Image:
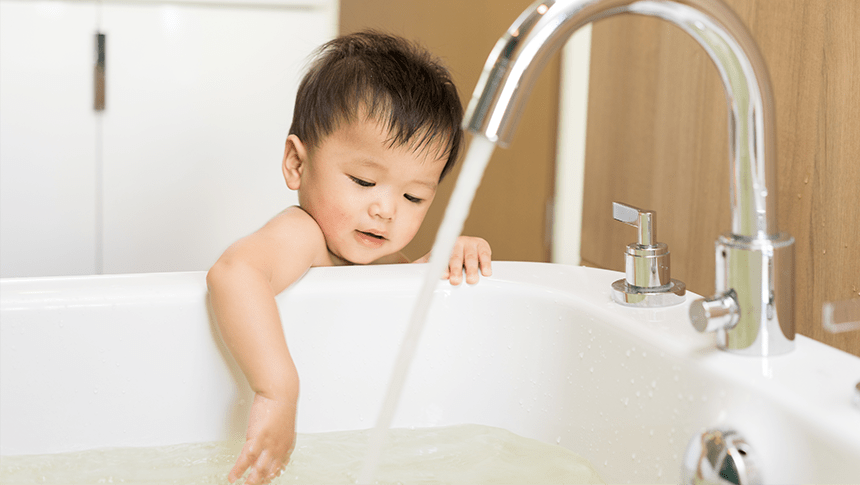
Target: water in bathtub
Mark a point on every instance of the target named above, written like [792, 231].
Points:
[457, 454]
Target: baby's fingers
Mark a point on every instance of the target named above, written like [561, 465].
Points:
[260, 472]
[246, 459]
[275, 470]
[485, 259]
[455, 266]
[470, 261]
[478, 258]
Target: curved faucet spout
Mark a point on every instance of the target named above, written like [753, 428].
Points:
[520, 55]
[755, 262]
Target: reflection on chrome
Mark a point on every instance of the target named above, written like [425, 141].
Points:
[754, 259]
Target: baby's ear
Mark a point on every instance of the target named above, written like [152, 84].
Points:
[295, 157]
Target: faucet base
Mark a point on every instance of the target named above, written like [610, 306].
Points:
[761, 272]
[667, 295]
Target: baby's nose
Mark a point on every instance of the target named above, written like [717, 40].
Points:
[383, 207]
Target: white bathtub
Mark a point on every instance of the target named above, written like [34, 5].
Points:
[539, 349]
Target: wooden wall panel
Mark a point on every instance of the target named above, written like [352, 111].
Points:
[657, 139]
[510, 207]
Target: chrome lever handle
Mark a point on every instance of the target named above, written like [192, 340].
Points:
[647, 281]
[841, 316]
[645, 221]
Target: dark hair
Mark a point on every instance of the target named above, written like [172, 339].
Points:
[388, 79]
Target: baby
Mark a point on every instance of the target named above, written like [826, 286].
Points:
[376, 127]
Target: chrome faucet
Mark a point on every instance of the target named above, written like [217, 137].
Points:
[753, 310]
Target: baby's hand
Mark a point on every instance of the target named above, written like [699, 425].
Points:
[269, 443]
[471, 253]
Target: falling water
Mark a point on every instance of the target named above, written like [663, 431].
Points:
[480, 150]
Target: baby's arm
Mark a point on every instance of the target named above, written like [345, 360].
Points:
[242, 288]
[473, 254]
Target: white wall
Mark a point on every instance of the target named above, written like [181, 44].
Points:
[186, 157]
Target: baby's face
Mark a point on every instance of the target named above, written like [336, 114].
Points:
[368, 199]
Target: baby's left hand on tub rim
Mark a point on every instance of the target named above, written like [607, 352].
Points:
[472, 254]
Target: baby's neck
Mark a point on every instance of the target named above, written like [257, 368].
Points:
[338, 261]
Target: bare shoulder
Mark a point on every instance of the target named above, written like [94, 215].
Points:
[281, 251]
[294, 233]
[293, 220]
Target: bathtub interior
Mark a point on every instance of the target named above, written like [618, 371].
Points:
[538, 349]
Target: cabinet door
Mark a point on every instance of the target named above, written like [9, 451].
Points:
[199, 103]
[47, 139]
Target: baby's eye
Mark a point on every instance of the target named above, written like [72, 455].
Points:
[363, 183]
[413, 199]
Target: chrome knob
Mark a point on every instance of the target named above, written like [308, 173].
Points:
[715, 313]
[720, 456]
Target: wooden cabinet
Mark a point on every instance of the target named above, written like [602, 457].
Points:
[657, 139]
[513, 206]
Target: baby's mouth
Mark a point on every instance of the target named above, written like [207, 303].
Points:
[376, 236]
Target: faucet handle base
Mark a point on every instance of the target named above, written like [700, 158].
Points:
[626, 294]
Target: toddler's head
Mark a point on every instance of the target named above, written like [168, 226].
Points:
[386, 79]
[376, 127]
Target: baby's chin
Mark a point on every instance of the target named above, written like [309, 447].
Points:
[354, 259]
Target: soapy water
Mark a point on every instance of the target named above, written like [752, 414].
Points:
[464, 454]
[478, 155]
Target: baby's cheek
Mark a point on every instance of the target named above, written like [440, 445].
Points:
[412, 225]
[337, 212]
[333, 225]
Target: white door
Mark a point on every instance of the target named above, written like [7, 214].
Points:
[47, 139]
[185, 158]
[199, 103]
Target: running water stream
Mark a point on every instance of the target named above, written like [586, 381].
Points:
[477, 157]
